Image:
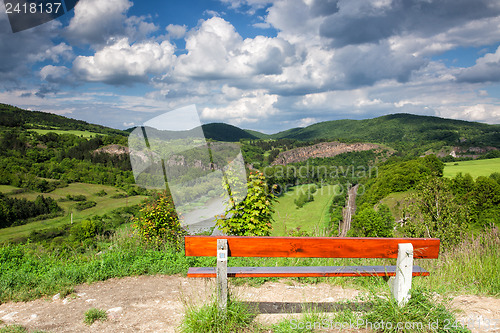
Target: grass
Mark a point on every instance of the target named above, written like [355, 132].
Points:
[310, 218]
[210, 319]
[16, 329]
[374, 311]
[470, 268]
[105, 204]
[92, 315]
[85, 134]
[475, 168]
[29, 271]
[396, 202]
[420, 314]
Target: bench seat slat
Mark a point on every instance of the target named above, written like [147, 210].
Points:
[303, 271]
[311, 247]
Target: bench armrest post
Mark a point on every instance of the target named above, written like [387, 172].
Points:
[222, 273]
[401, 283]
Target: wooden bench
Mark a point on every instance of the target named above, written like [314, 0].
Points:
[222, 247]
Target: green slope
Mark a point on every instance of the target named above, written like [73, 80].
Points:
[11, 116]
[400, 128]
[226, 132]
[475, 168]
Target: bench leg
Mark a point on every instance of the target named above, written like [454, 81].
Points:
[401, 283]
[222, 273]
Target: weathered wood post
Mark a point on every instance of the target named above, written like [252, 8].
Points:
[401, 283]
[222, 273]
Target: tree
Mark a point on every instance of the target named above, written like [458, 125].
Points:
[159, 222]
[369, 222]
[253, 215]
[433, 211]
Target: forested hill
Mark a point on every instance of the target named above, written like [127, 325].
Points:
[400, 128]
[395, 130]
[14, 117]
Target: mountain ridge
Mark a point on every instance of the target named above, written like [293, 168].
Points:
[394, 128]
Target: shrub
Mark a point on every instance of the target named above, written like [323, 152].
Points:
[79, 197]
[158, 222]
[82, 205]
[101, 193]
[87, 229]
[93, 315]
[303, 199]
[369, 222]
[253, 215]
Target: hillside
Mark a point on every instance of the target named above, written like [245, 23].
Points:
[324, 149]
[14, 117]
[404, 128]
[225, 132]
[398, 130]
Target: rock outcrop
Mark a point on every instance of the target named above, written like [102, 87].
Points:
[323, 149]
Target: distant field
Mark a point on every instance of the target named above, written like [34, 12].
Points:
[475, 168]
[310, 217]
[105, 204]
[85, 134]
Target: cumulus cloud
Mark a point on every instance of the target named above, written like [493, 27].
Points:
[122, 63]
[216, 51]
[359, 22]
[97, 21]
[56, 74]
[176, 31]
[20, 51]
[250, 108]
[486, 69]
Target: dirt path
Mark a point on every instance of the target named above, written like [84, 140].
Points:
[157, 303]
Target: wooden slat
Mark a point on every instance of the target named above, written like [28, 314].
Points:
[303, 271]
[311, 247]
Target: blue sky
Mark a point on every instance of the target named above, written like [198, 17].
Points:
[266, 65]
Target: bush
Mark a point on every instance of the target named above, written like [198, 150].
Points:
[93, 315]
[87, 229]
[158, 222]
[79, 197]
[253, 215]
[101, 193]
[369, 222]
[304, 198]
[82, 205]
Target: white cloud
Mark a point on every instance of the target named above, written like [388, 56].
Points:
[486, 69]
[55, 74]
[304, 122]
[176, 31]
[216, 51]
[252, 107]
[96, 21]
[121, 63]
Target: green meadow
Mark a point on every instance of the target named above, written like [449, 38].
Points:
[105, 204]
[312, 217]
[475, 168]
[85, 134]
